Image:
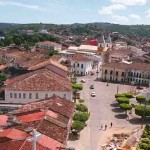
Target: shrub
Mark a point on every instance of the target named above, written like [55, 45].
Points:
[140, 99]
[139, 110]
[77, 86]
[123, 100]
[1, 113]
[81, 100]
[145, 140]
[128, 95]
[77, 126]
[143, 146]
[125, 106]
[81, 107]
[79, 116]
[119, 95]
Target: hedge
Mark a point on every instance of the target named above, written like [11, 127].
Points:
[139, 110]
[81, 116]
[123, 100]
[77, 126]
[128, 95]
[81, 100]
[140, 99]
[119, 95]
[125, 106]
[77, 86]
[81, 107]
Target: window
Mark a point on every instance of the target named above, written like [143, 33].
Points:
[11, 95]
[36, 96]
[122, 74]
[81, 65]
[19, 95]
[111, 72]
[116, 73]
[64, 95]
[24, 95]
[15, 95]
[78, 65]
[46, 95]
[54, 94]
[105, 71]
[116, 80]
[30, 95]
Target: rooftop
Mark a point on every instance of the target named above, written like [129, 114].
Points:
[124, 66]
[55, 103]
[47, 43]
[88, 47]
[80, 57]
[3, 120]
[40, 80]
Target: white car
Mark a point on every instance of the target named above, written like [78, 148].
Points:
[93, 94]
[82, 80]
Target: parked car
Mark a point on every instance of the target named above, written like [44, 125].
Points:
[93, 94]
[92, 87]
[82, 80]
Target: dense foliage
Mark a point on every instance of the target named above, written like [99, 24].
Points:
[142, 111]
[81, 107]
[81, 116]
[119, 95]
[77, 126]
[140, 99]
[77, 86]
[122, 100]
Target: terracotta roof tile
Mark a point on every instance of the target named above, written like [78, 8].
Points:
[3, 120]
[54, 103]
[124, 66]
[79, 57]
[40, 80]
[13, 134]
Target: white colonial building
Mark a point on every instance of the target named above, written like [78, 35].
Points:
[37, 85]
[81, 64]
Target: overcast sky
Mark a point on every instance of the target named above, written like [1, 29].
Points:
[75, 11]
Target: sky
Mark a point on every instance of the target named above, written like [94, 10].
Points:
[75, 11]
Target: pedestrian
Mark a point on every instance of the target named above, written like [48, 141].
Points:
[105, 127]
[107, 84]
[111, 124]
[101, 127]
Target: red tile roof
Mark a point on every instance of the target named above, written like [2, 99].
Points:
[79, 58]
[2, 67]
[49, 142]
[54, 103]
[3, 120]
[48, 62]
[40, 80]
[32, 117]
[13, 134]
[20, 145]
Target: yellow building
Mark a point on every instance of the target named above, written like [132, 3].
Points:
[126, 72]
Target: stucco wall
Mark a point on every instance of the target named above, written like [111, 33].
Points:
[41, 95]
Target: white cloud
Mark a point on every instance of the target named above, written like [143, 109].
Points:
[109, 9]
[18, 4]
[148, 14]
[130, 2]
[120, 19]
[134, 16]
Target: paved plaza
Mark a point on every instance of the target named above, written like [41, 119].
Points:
[103, 111]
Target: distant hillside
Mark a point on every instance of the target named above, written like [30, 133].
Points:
[81, 29]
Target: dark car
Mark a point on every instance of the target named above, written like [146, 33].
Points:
[92, 87]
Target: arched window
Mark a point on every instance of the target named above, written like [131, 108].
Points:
[105, 71]
[111, 72]
[122, 74]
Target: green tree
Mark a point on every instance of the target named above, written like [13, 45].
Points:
[77, 126]
[81, 107]
[1, 43]
[81, 116]
[140, 99]
[17, 41]
[126, 107]
[3, 77]
[54, 52]
[121, 100]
